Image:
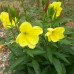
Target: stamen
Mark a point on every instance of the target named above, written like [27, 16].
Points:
[25, 33]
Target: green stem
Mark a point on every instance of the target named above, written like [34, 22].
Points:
[43, 8]
[38, 3]
[13, 34]
[17, 29]
[24, 7]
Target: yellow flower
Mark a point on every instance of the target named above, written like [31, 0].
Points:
[4, 17]
[55, 34]
[57, 9]
[14, 22]
[29, 35]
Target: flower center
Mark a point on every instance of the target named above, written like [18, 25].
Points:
[25, 33]
[52, 31]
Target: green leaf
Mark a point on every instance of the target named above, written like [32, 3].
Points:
[12, 12]
[36, 67]
[29, 14]
[72, 48]
[10, 56]
[57, 65]
[12, 60]
[30, 71]
[29, 52]
[54, 44]
[39, 23]
[6, 8]
[22, 20]
[38, 52]
[50, 12]
[16, 49]
[57, 21]
[61, 56]
[70, 69]
[18, 72]
[20, 67]
[17, 62]
[63, 69]
[2, 41]
[43, 2]
[65, 41]
[69, 31]
[67, 49]
[49, 54]
[71, 51]
[45, 70]
[6, 70]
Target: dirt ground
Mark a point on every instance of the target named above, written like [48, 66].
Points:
[69, 13]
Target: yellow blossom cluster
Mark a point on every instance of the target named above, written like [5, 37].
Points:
[4, 17]
[29, 36]
[57, 9]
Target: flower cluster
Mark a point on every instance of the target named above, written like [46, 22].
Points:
[29, 36]
[56, 8]
[4, 17]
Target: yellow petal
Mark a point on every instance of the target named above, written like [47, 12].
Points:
[59, 10]
[31, 46]
[56, 4]
[50, 29]
[8, 25]
[36, 30]
[57, 34]
[13, 22]
[32, 39]
[21, 39]
[54, 38]
[25, 27]
[47, 34]
[59, 30]
[0, 16]
[15, 19]
[49, 38]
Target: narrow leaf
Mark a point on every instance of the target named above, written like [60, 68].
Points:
[57, 65]
[49, 54]
[30, 71]
[45, 70]
[36, 66]
[38, 52]
[17, 62]
[61, 56]
[63, 69]
[29, 52]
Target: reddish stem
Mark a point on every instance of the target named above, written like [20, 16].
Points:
[46, 6]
